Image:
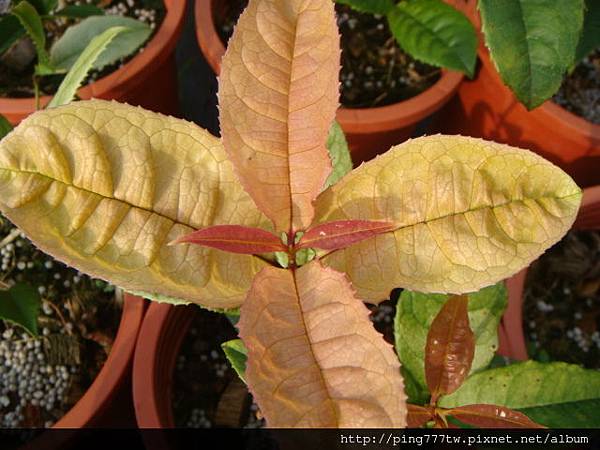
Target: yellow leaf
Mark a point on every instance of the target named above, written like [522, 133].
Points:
[314, 358]
[104, 187]
[468, 213]
[278, 94]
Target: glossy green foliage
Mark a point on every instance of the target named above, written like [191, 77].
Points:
[434, 32]
[5, 126]
[532, 43]
[237, 354]
[67, 49]
[339, 154]
[21, 305]
[590, 37]
[82, 66]
[552, 394]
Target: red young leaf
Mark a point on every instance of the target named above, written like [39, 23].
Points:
[342, 233]
[234, 239]
[450, 348]
[418, 416]
[492, 416]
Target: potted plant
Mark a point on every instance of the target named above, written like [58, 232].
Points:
[487, 107]
[371, 130]
[105, 187]
[151, 70]
[72, 369]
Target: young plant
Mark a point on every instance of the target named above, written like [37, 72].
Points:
[429, 30]
[27, 18]
[105, 187]
[533, 43]
[452, 364]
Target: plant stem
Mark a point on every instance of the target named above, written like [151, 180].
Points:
[36, 90]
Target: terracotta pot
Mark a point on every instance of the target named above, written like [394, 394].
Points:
[148, 80]
[164, 329]
[99, 406]
[512, 337]
[370, 131]
[485, 107]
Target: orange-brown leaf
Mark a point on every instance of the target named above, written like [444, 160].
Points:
[450, 348]
[278, 94]
[314, 358]
[417, 415]
[492, 416]
[234, 239]
[342, 233]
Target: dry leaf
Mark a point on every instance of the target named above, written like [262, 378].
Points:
[278, 94]
[450, 348]
[468, 213]
[314, 358]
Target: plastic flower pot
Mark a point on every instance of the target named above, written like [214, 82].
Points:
[163, 332]
[485, 107]
[102, 404]
[512, 337]
[369, 131]
[148, 80]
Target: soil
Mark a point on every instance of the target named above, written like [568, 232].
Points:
[580, 91]
[42, 377]
[206, 390]
[16, 82]
[562, 301]
[375, 70]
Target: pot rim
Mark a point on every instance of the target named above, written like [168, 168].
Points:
[354, 120]
[98, 396]
[125, 78]
[161, 335]
[548, 110]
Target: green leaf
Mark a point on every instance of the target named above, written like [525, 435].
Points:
[83, 65]
[236, 353]
[44, 6]
[32, 23]
[369, 6]
[339, 154]
[552, 394]
[79, 11]
[20, 305]
[416, 311]
[590, 37]
[532, 43]
[435, 33]
[581, 414]
[233, 315]
[67, 49]
[10, 30]
[5, 126]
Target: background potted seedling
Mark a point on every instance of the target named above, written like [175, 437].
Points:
[33, 56]
[386, 94]
[501, 104]
[447, 348]
[105, 187]
[72, 370]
